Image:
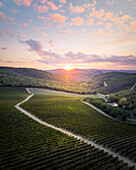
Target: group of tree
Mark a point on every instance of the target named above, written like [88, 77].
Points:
[112, 111]
[126, 100]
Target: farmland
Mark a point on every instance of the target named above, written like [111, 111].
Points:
[71, 114]
[25, 144]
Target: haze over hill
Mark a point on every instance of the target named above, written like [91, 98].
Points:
[76, 80]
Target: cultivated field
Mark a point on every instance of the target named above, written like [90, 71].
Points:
[59, 93]
[25, 144]
[71, 114]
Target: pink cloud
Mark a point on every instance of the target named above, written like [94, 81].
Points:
[1, 14]
[59, 18]
[77, 21]
[43, 1]
[1, 4]
[42, 9]
[98, 14]
[40, 17]
[94, 3]
[71, 6]
[15, 10]
[60, 27]
[22, 36]
[133, 25]
[30, 20]
[11, 20]
[78, 9]
[52, 5]
[108, 25]
[108, 16]
[4, 18]
[24, 25]
[23, 2]
[63, 1]
[51, 43]
[9, 32]
[4, 48]
[90, 21]
[67, 31]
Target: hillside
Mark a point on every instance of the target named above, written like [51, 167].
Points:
[70, 81]
[26, 77]
[116, 81]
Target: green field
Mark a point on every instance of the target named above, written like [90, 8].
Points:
[71, 114]
[59, 93]
[25, 144]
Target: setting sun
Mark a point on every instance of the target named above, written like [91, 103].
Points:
[68, 67]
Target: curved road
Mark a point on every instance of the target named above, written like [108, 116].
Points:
[17, 106]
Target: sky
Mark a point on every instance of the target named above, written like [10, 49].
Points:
[86, 34]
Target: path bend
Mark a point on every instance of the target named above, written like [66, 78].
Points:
[125, 160]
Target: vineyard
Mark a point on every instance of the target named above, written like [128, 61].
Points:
[81, 119]
[25, 144]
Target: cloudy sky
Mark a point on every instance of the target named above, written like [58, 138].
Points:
[48, 34]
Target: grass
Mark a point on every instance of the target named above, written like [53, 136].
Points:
[25, 144]
[58, 93]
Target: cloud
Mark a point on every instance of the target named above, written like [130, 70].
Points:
[1, 14]
[9, 32]
[42, 9]
[35, 46]
[22, 36]
[58, 18]
[98, 14]
[41, 17]
[78, 9]
[11, 20]
[51, 43]
[1, 4]
[24, 25]
[68, 31]
[77, 21]
[108, 25]
[43, 34]
[99, 33]
[14, 10]
[133, 25]
[52, 5]
[63, 1]
[43, 1]
[4, 48]
[90, 21]
[50, 57]
[23, 2]
[108, 16]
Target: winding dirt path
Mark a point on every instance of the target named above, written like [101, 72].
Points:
[97, 109]
[133, 86]
[125, 160]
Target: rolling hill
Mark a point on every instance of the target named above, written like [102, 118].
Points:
[75, 80]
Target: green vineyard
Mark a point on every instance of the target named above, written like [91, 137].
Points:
[25, 144]
[81, 119]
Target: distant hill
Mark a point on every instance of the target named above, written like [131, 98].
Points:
[87, 71]
[28, 77]
[116, 81]
[71, 81]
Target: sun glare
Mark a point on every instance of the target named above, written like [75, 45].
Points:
[68, 67]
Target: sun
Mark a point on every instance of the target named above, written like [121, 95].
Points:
[68, 67]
